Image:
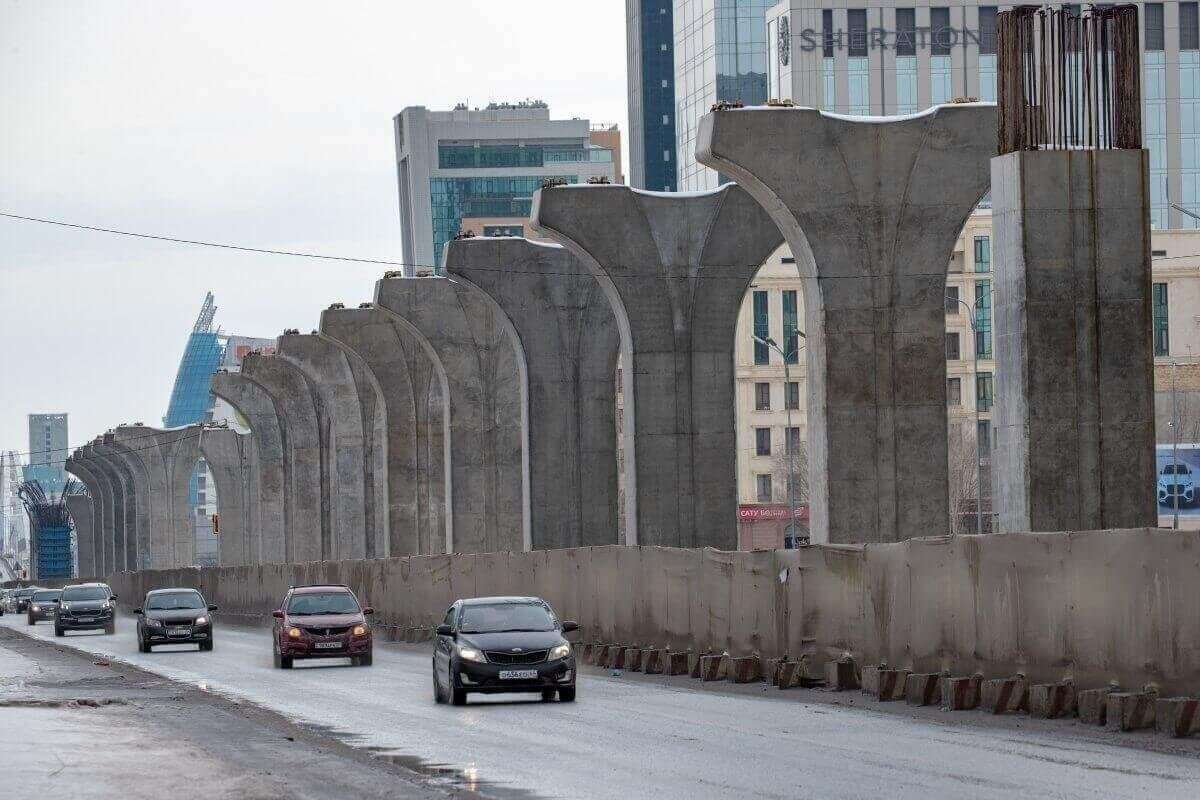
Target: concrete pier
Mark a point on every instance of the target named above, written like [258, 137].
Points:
[131, 506]
[347, 440]
[570, 340]
[170, 458]
[871, 210]
[269, 531]
[411, 381]
[675, 269]
[84, 463]
[309, 523]
[230, 458]
[487, 482]
[1075, 358]
[89, 520]
[79, 506]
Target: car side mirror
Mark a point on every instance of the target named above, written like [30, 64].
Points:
[212, 608]
[137, 611]
[569, 626]
[277, 614]
[445, 630]
[368, 610]
[58, 601]
[112, 597]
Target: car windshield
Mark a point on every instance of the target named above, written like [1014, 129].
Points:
[47, 596]
[174, 601]
[24, 592]
[1176, 469]
[84, 593]
[498, 617]
[310, 604]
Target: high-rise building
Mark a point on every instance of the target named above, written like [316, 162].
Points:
[483, 163]
[720, 55]
[650, 37]
[47, 452]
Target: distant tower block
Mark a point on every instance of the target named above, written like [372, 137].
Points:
[1075, 394]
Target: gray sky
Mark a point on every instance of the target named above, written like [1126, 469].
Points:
[259, 123]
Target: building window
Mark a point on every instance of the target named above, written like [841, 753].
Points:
[1189, 112]
[791, 395]
[906, 61]
[791, 340]
[983, 254]
[857, 64]
[764, 488]
[1162, 339]
[762, 329]
[940, 42]
[762, 441]
[987, 54]
[983, 319]
[828, 62]
[954, 391]
[952, 301]
[793, 439]
[1154, 128]
[953, 353]
[762, 397]
[983, 391]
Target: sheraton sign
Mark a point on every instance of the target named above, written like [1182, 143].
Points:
[884, 39]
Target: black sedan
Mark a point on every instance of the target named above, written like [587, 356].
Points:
[18, 599]
[86, 607]
[492, 645]
[174, 616]
[43, 604]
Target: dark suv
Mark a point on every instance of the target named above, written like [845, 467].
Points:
[174, 616]
[321, 622]
[503, 644]
[86, 607]
[43, 604]
[18, 601]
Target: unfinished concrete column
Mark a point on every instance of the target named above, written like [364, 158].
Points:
[568, 332]
[229, 456]
[487, 483]
[130, 506]
[308, 503]
[346, 404]
[270, 519]
[411, 381]
[170, 458]
[871, 210]
[86, 459]
[1075, 358]
[675, 269]
[79, 506]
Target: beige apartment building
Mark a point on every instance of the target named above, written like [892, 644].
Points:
[768, 390]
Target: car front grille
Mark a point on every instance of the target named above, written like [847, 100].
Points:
[328, 631]
[502, 657]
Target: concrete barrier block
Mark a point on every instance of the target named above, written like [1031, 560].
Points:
[770, 670]
[1130, 711]
[923, 689]
[962, 693]
[694, 664]
[654, 662]
[1093, 705]
[791, 674]
[616, 657]
[633, 659]
[602, 651]
[586, 653]
[745, 669]
[677, 664]
[1051, 700]
[1177, 716]
[1003, 695]
[714, 667]
[841, 675]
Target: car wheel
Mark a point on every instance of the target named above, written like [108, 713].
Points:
[458, 697]
[547, 695]
[58, 631]
[275, 659]
[110, 629]
[366, 661]
[206, 646]
[438, 697]
[567, 695]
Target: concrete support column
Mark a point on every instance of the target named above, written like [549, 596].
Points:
[79, 506]
[128, 505]
[871, 211]
[342, 390]
[1075, 357]
[310, 523]
[170, 458]
[487, 482]
[568, 333]
[269, 531]
[229, 455]
[411, 381]
[86, 458]
[675, 269]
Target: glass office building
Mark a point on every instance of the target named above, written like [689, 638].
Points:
[47, 452]
[651, 73]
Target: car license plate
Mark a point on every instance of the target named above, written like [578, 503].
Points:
[178, 631]
[518, 674]
[328, 645]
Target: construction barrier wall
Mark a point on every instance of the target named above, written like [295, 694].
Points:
[1096, 606]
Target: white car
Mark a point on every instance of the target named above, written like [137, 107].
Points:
[1176, 479]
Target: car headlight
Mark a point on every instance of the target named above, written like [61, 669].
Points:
[153, 623]
[470, 654]
[561, 651]
[107, 604]
[37, 608]
[360, 630]
[64, 607]
[294, 633]
[201, 620]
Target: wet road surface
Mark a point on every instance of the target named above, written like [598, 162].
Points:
[652, 736]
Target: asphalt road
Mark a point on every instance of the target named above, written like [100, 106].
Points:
[640, 736]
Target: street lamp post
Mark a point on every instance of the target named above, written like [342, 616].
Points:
[978, 449]
[787, 434]
[1175, 446]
